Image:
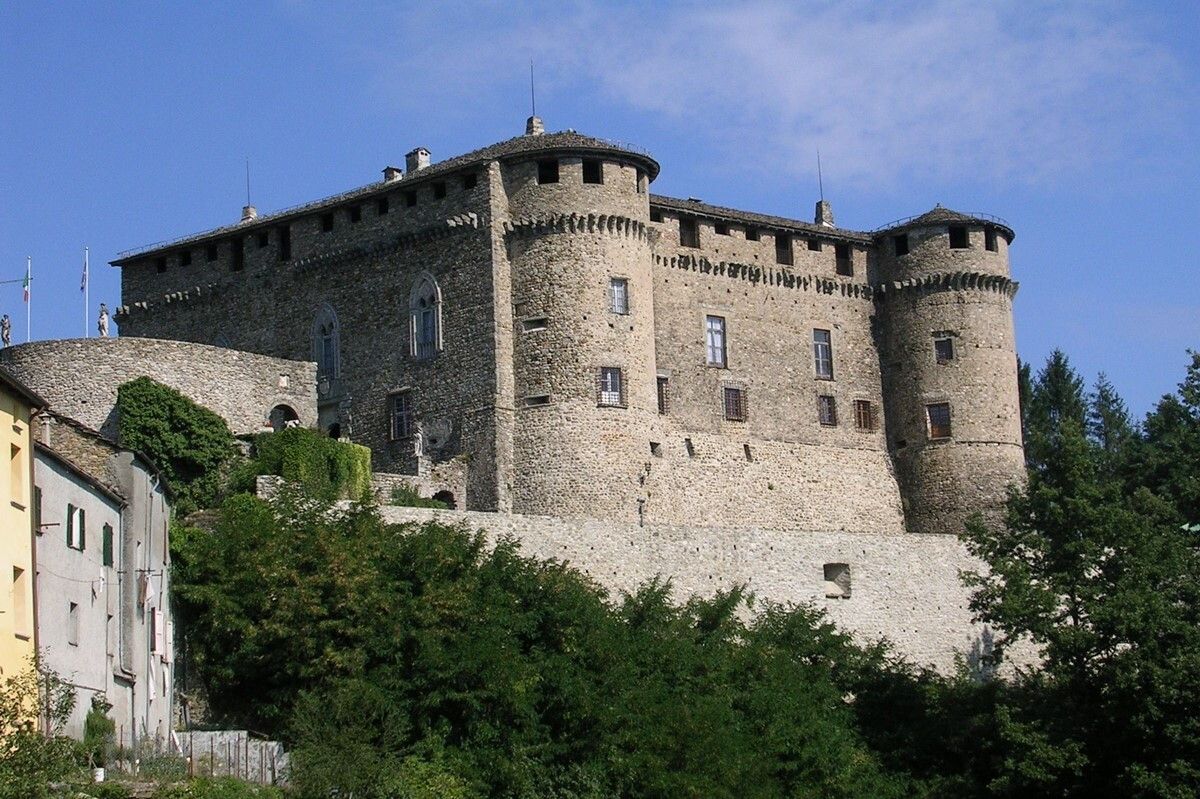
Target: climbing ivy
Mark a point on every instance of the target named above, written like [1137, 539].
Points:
[325, 469]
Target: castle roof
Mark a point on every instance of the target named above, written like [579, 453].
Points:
[566, 142]
[940, 215]
[757, 220]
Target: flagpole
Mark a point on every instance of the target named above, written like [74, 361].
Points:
[28, 297]
[86, 331]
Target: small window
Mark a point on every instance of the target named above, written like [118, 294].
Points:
[958, 238]
[107, 545]
[656, 449]
[263, 239]
[210, 253]
[239, 254]
[837, 580]
[735, 404]
[160, 265]
[22, 622]
[400, 413]
[73, 624]
[470, 181]
[593, 171]
[355, 212]
[989, 239]
[939, 419]
[76, 528]
[537, 400]
[689, 233]
[900, 242]
[410, 198]
[326, 223]
[664, 394]
[532, 325]
[721, 229]
[610, 388]
[641, 184]
[16, 470]
[814, 245]
[943, 349]
[618, 295]
[844, 262]
[439, 190]
[185, 258]
[864, 415]
[752, 234]
[714, 334]
[823, 354]
[656, 215]
[382, 206]
[689, 447]
[285, 242]
[783, 248]
[827, 410]
[37, 509]
[547, 170]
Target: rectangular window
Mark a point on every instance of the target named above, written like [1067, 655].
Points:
[537, 400]
[534, 324]
[400, 412]
[593, 171]
[76, 528]
[943, 349]
[439, 190]
[263, 239]
[689, 232]
[664, 394]
[939, 419]
[185, 258]
[783, 248]
[958, 238]
[837, 580]
[823, 354]
[382, 206]
[157, 632]
[470, 181]
[864, 415]
[285, 242]
[426, 333]
[814, 245]
[16, 472]
[618, 295]
[735, 404]
[656, 215]
[714, 333]
[752, 234]
[326, 223]
[844, 260]
[989, 239]
[108, 545]
[160, 265]
[355, 212]
[610, 387]
[22, 618]
[239, 254]
[37, 509]
[827, 410]
[410, 198]
[72, 624]
[641, 183]
[210, 253]
[721, 229]
[900, 242]
[547, 170]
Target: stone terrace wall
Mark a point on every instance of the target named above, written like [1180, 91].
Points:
[80, 377]
[903, 586]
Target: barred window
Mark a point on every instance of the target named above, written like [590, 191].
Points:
[400, 413]
[610, 388]
[827, 410]
[714, 332]
[823, 354]
[735, 404]
[664, 397]
[939, 419]
[864, 415]
[943, 349]
[618, 295]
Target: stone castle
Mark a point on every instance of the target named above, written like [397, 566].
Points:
[529, 325]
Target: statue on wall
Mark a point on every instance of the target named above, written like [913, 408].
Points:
[5, 330]
[102, 322]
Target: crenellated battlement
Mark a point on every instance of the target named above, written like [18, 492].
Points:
[579, 223]
[951, 281]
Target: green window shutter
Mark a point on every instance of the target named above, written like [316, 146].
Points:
[108, 545]
[70, 525]
[82, 531]
[37, 509]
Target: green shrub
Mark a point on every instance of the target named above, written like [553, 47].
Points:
[189, 444]
[325, 469]
[221, 788]
[409, 497]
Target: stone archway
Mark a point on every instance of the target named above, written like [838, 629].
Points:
[283, 415]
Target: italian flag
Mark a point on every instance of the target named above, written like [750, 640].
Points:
[25, 284]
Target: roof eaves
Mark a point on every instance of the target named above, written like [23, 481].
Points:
[109, 491]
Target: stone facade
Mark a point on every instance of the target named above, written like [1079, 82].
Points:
[80, 378]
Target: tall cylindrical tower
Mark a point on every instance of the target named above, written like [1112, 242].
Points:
[578, 249]
[948, 360]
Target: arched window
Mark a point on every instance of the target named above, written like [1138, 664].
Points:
[325, 344]
[425, 317]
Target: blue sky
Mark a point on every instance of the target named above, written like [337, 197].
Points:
[125, 124]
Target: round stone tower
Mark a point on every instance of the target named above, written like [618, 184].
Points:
[949, 366]
[578, 249]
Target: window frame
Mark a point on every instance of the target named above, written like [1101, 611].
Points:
[326, 343]
[827, 410]
[864, 415]
[735, 403]
[618, 298]
[940, 343]
[710, 348]
[548, 171]
[689, 232]
[400, 408]
[610, 387]
[425, 318]
[662, 389]
[822, 353]
[76, 528]
[935, 430]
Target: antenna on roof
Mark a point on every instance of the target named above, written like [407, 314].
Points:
[532, 94]
[820, 180]
[247, 180]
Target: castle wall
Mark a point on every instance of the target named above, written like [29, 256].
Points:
[80, 378]
[903, 587]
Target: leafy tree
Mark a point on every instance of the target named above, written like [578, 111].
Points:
[31, 759]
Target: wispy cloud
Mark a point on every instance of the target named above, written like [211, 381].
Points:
[1008, 90]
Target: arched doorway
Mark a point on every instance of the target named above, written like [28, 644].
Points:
[446, 497]
[283, 416]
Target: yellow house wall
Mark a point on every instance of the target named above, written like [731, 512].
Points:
[16, 547]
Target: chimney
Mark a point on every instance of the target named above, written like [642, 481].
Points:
[249, 213]
[392, 174]
[534, 126]
[417, 159]
[824, 214]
